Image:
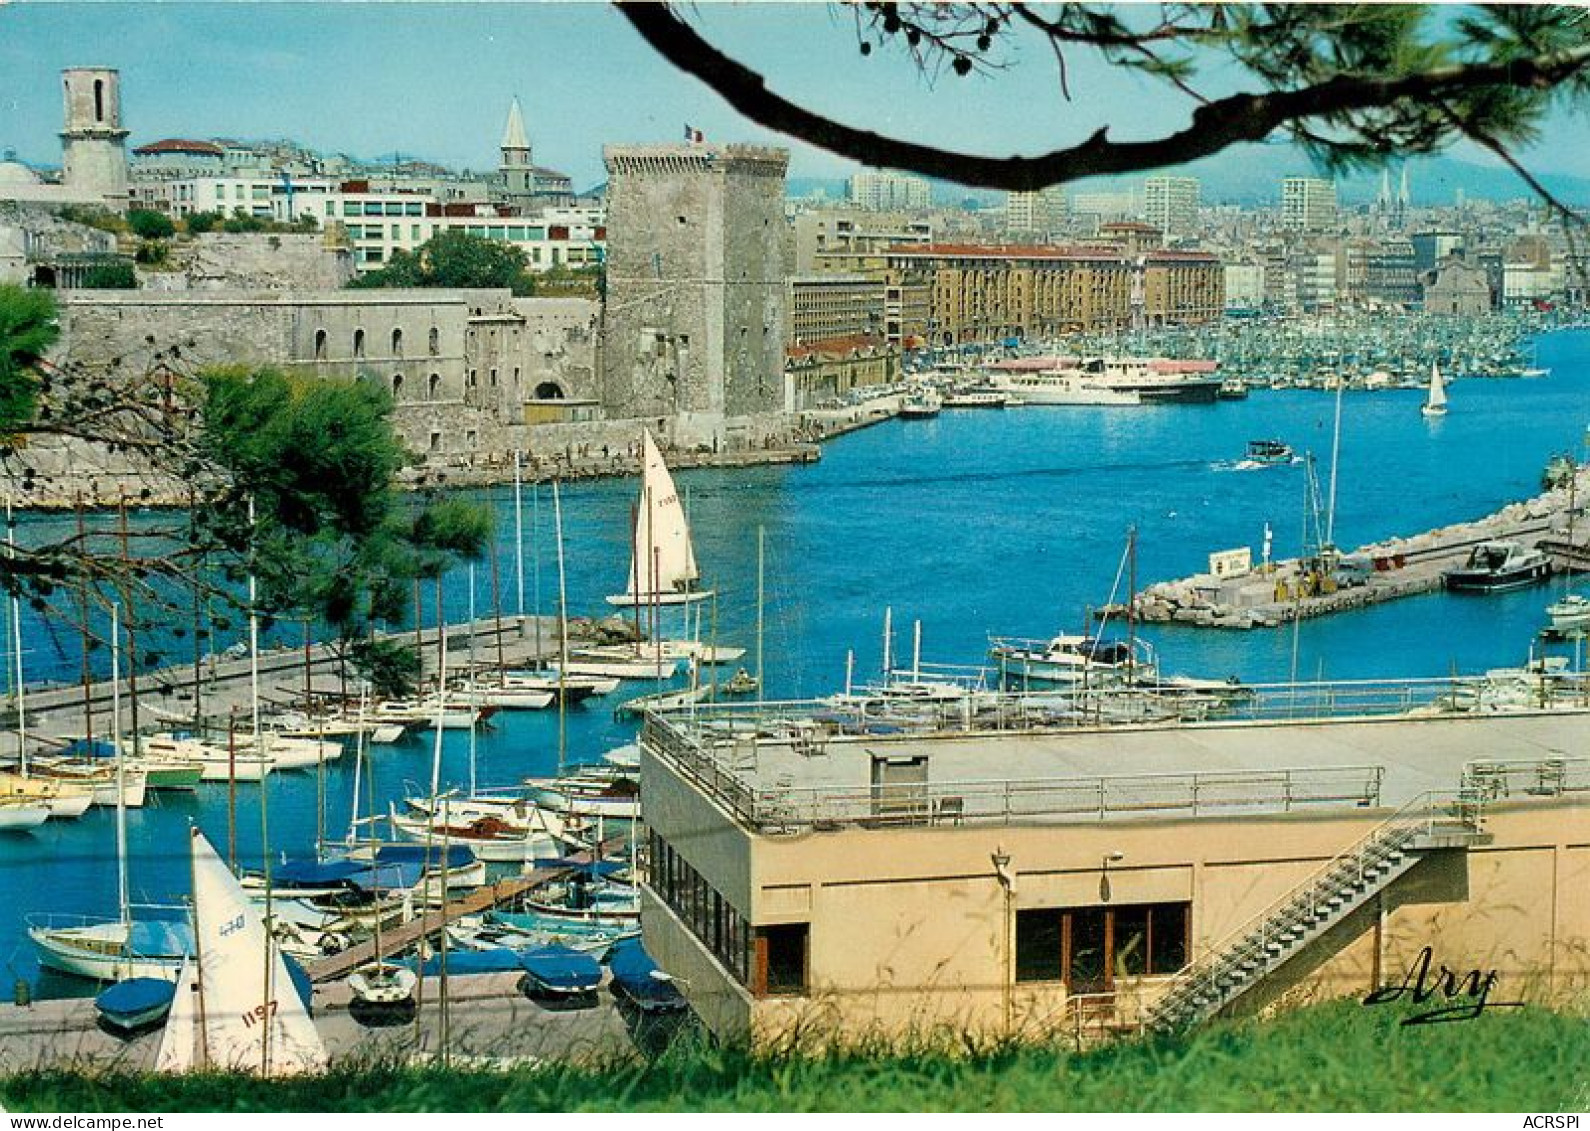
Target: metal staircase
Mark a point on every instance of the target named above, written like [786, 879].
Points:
[1264, 943]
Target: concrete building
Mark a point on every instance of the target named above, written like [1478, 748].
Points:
[990, 293]
[695, 320]
[1308, 204]
[835, 306]
[890, 192]
[1244, 286]
[1054, 877]
[1431, 247]
[1038, 215]
[848, 241]
[1457, 287]
[821, 372]
[1171, 204]
[177, 157]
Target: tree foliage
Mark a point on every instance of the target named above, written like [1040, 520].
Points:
[150, 225]
[455, 259]
[28, 328]
[1354, 84]
[109, 275]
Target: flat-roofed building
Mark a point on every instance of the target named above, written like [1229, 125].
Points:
[995, 868]
[988, 293]
[886, 192]
[1308, 204]
[1171, 204]
[835, 306]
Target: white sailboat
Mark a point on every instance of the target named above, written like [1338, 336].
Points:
[236, 1007]
[662, 565]
[1436, 405]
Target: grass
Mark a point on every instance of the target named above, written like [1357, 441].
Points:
[1334, 1057]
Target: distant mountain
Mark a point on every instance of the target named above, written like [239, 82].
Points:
[1251, 175]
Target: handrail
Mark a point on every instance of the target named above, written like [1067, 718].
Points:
[1303, 900]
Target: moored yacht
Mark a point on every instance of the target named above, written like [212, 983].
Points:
[1496, 566]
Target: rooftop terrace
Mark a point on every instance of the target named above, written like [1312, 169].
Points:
[908, 757]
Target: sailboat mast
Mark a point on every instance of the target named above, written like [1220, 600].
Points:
[563, 635]
[472, 678]
[16, 647]
[1336, 443]
[82, 616]
[518, 530]
[121, 769]
[761, 596]
[441, 707]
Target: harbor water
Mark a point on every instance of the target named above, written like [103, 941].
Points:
[1010, 522]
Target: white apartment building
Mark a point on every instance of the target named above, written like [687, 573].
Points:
[1040, 213]
[1171, 204]
[886, 192]
[1308, 204]
[1244, 284]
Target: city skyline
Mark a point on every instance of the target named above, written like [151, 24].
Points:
[182, 65]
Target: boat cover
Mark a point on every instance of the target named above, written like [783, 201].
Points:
[315, 873]
[388, 877]
[561, 969]
[83, 748]
[599, 869]
[637, 975]
[160, 938]
[458, 855]
[135, 996]
[498, 960]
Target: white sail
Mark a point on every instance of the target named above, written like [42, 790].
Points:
[177, 1039]
[1437, 401]
[253, 1020]
[662, 564]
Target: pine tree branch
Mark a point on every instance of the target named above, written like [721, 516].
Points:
[1215, 125]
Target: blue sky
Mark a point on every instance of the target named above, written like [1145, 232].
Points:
[434, 81]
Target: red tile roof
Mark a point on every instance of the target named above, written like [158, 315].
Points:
[180, 145]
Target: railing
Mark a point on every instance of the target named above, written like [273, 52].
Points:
[790, 809]
[1255, 942]
[716, 744]
[1529, 777]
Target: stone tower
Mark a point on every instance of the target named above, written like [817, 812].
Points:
[93, 144]
[694, 321]
[518, 173]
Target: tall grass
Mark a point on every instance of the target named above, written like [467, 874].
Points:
[1334, 1057]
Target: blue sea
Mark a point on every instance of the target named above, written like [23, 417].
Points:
[976, 522]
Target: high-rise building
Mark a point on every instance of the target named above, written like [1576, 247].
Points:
[1308, 204]
[886, 192]
[1041, 213]
[695, 316]
[1171, 204]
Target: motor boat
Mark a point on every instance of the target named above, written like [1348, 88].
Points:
[921, 404]
[1571, 614]
[1072, 661]
[1497, 566]
[1267, 453]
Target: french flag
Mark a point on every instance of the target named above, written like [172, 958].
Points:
[693, 135]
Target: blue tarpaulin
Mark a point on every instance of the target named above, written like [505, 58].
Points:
[499, 960]
[561, 970]
[457, 856]
[315, 873]
[638, 977]
[137, 1001]
[83, 748]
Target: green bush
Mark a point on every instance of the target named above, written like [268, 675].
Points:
[201, 222]
[112, 275]
[151, 225]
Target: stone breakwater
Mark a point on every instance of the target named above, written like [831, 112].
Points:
[1379, 571]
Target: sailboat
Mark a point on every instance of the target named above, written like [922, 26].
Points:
[662, 565]
[237, 1008]
[1436, 405]
[112, 949]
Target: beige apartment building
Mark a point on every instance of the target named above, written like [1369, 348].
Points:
[986, 293]
[989, 867]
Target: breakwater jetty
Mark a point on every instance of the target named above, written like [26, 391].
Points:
[1298, 589]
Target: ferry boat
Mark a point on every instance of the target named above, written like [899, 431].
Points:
[978, 397]
[1107, 381]
[1495, 566]
[920, 404]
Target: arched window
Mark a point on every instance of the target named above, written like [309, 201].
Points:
[358, 343]
[397, 385]
[320, 345]
[436, 341]
[435, 385]
[397, 342]
[99, 100]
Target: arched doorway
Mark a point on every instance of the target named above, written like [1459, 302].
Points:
[549, 391]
